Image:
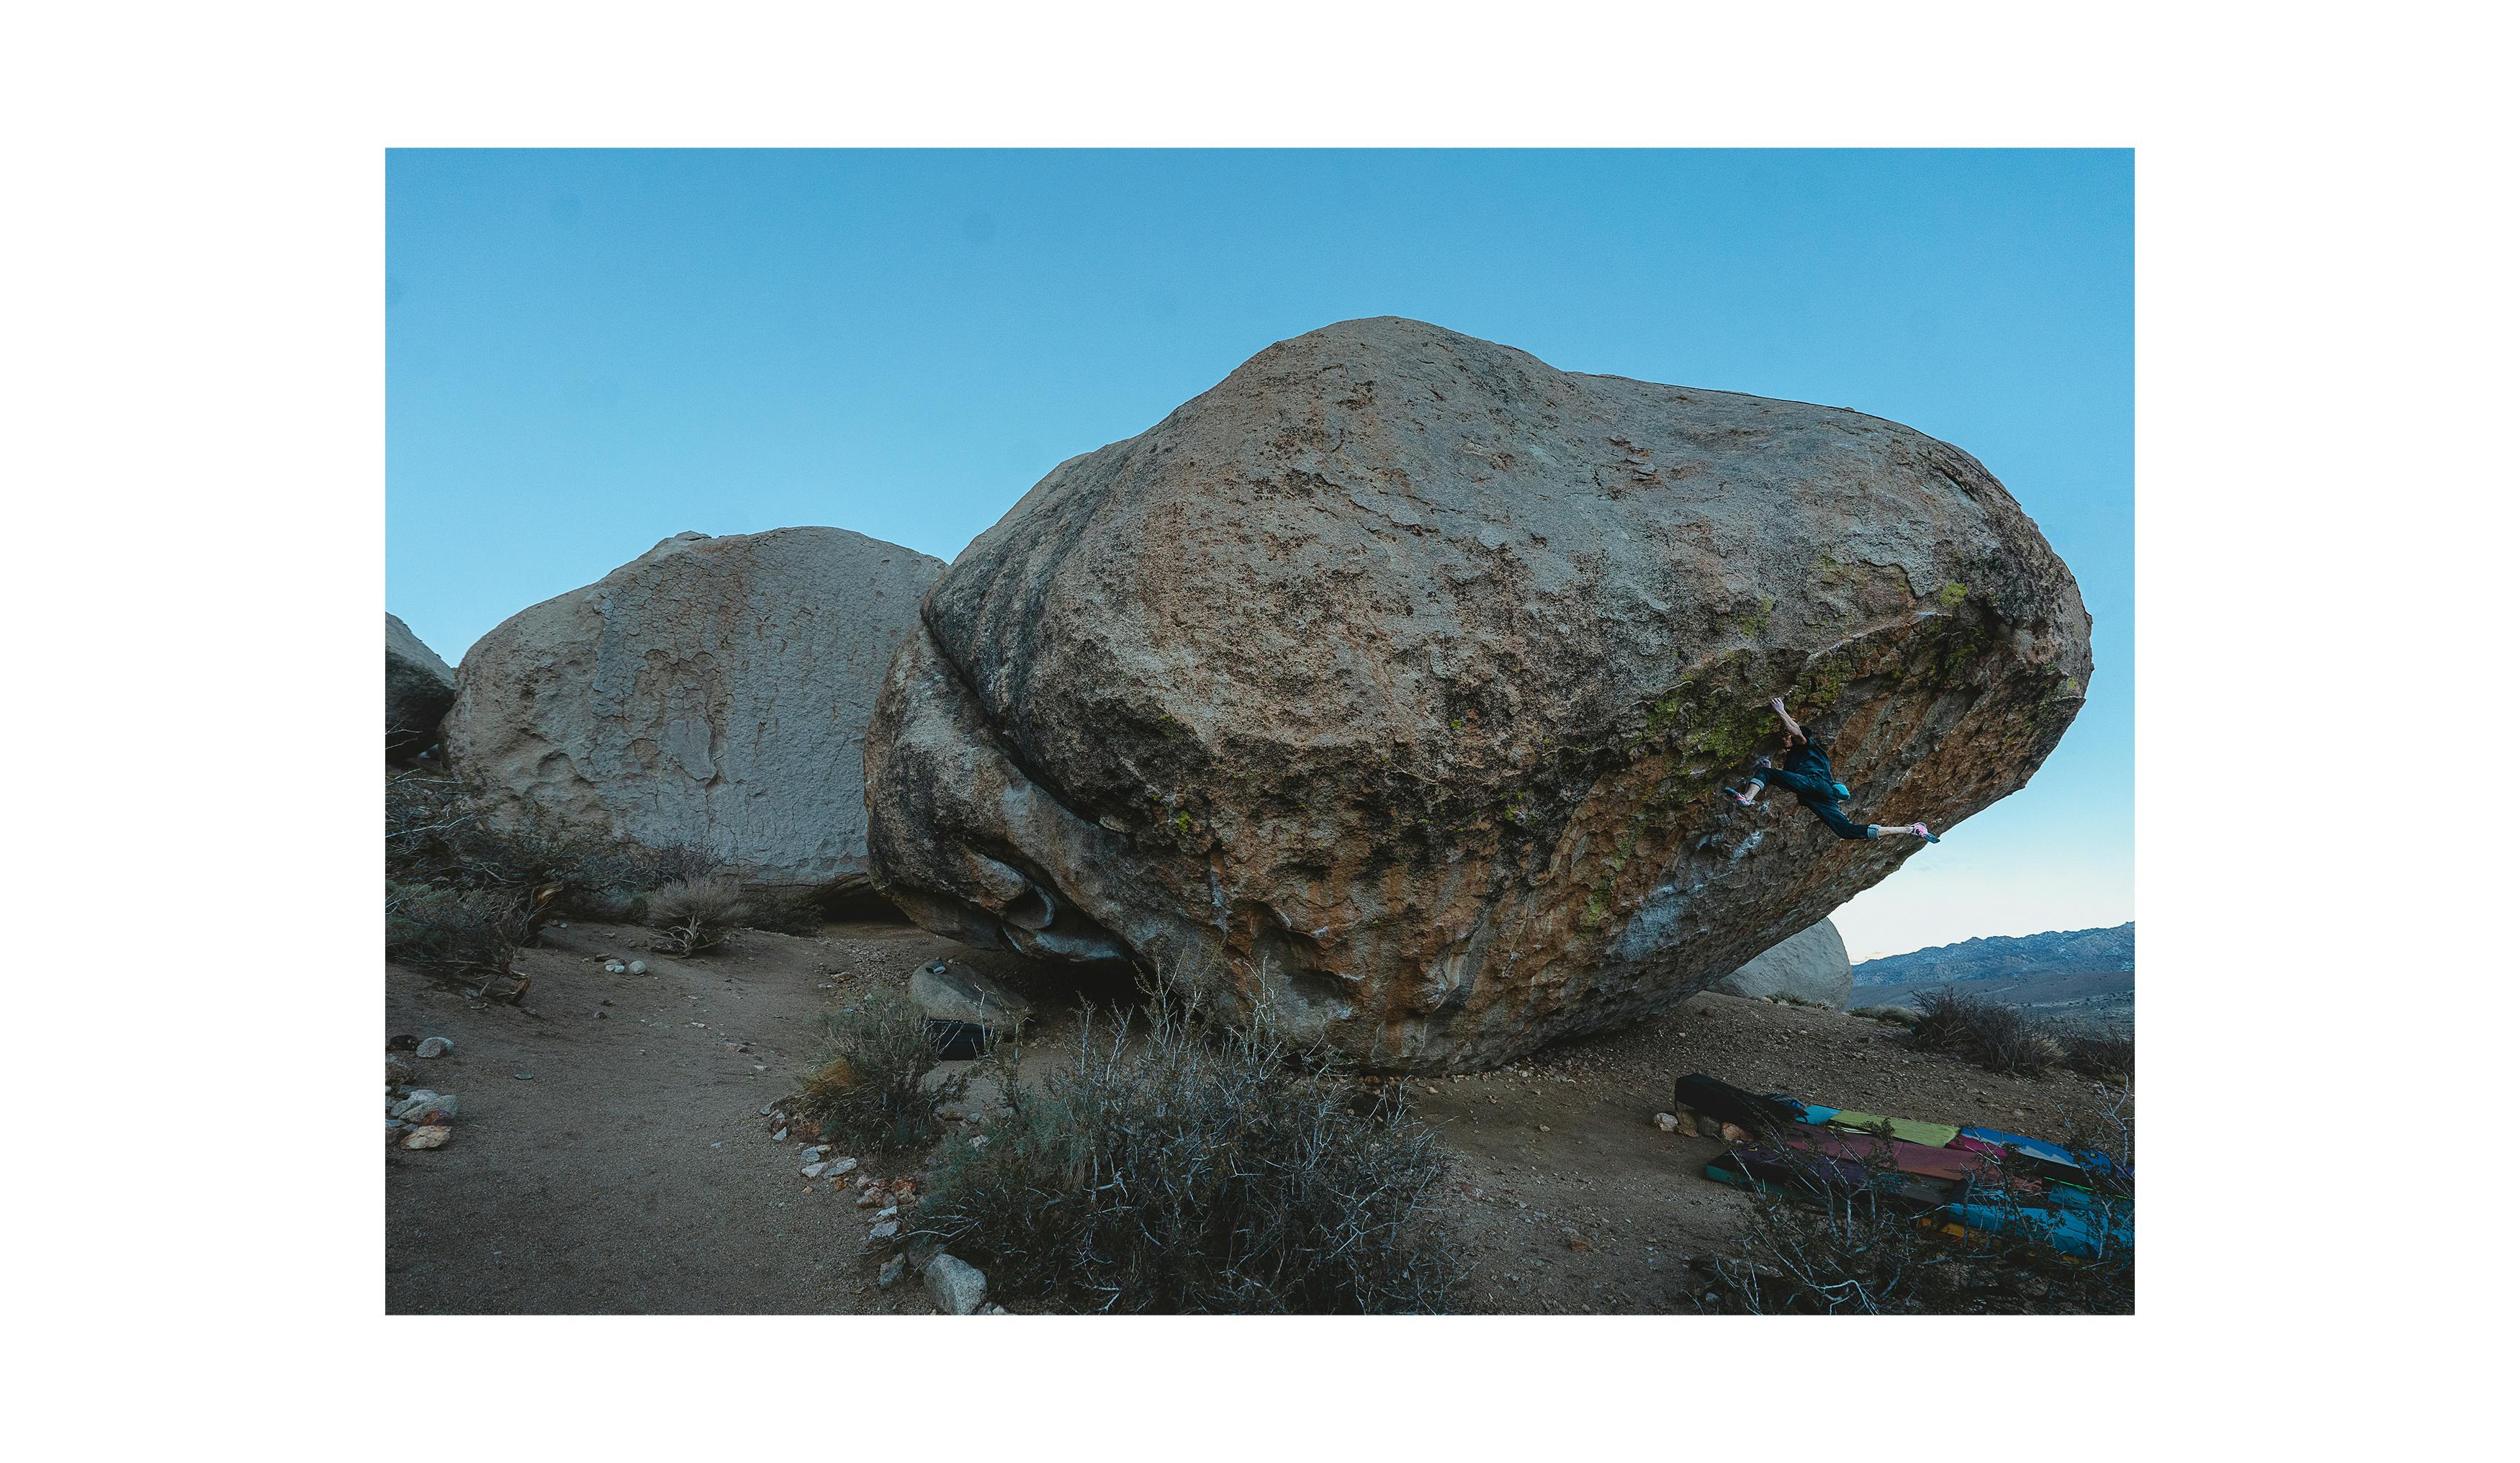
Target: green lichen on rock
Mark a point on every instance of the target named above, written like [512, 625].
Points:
[1952, 595]
[1735, 733]
[1825, 679]
[1755, 620]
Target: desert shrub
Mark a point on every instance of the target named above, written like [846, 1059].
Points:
[435, 836]
[696, 915]
[1893, 1013]
[656, 867]
[456, 932]
[872, 1091]
[1168, 1171]
[789, 912]
[1988, 1032]
[2104, 1053]
[1825, 1245]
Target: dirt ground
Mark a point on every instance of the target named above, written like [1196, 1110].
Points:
[611, 1155]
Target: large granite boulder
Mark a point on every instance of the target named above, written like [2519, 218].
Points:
[419, 687]
[1811, 967]
[1391, 683]
[713, 691]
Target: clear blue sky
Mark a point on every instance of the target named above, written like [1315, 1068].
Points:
[587, 352]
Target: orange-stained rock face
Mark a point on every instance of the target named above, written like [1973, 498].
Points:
[1394, 680]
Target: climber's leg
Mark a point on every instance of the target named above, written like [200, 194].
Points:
[1839, 822]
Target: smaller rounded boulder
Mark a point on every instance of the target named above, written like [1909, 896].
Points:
[1811, 967]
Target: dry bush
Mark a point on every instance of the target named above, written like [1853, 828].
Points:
[1168, 1171]
[696, 915]
[2000, 1038]
[786, 913]
[456, 932]
[2107, 1054]
[872, 1093]
[1988, 1032]
[1894, 1013]
[435, 836]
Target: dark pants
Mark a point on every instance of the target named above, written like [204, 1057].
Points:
[1816, 794]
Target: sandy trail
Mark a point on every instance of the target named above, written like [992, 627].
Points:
[632, 1172]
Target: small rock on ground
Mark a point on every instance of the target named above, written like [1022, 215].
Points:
[434, 1047]
[957, 1288]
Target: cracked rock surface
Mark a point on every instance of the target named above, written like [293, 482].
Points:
[1392, 681]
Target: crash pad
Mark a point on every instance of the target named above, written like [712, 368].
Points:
[1726, 1103]
[1905, 1130]
[2069, 1160]
[2086, 1233]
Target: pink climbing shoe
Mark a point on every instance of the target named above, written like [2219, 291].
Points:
[1922, 831]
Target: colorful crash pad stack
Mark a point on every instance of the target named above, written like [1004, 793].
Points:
[1969, 1180]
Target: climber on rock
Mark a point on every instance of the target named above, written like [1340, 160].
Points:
[1806, 774]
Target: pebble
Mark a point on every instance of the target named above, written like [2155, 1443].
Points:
[522, 1076]
[613, 967]
[890, 1275]
[428, 1137]
[839, 1166]
[811, 1171]
[422, 1103]
[889, 1211]
[1667, 1121]
[779, 1137]
[434, 1047]
[810, 1155]
[638, 967]
[994, 1308]
[886, 1231]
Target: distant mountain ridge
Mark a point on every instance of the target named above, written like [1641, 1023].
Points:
[2006, 958]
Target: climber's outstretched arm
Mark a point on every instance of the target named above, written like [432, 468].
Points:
[1793, 728]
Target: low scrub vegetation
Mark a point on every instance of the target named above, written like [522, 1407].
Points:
[696, 915]
[461, 896]
[457, 933]
[1174, 1167]
[1989, 1033]
[2001, 1039]
[2107, 1054]
[872, 1091]
[435, 836]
